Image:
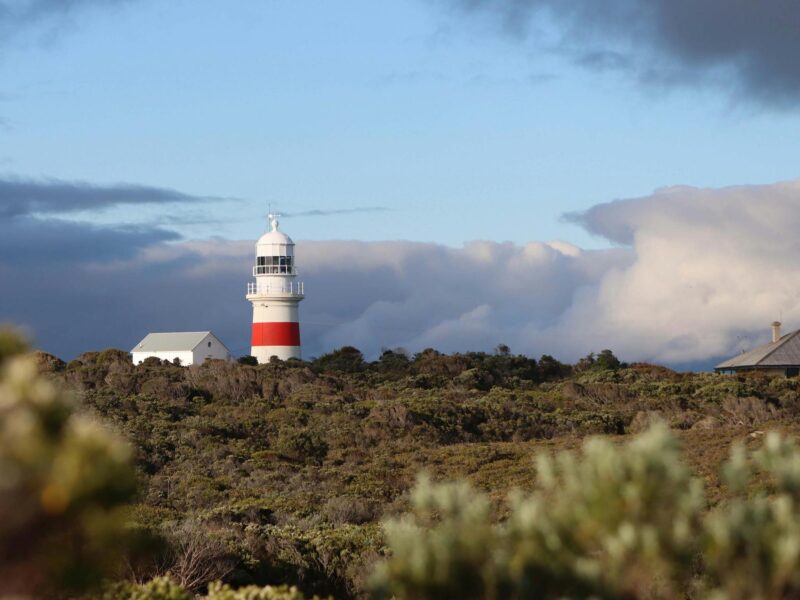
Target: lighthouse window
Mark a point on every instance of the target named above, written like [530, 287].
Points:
[273, 264]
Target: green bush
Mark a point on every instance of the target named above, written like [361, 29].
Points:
[343, 360]
[63, 479]
[753, 545]
[608, 522]
[605, 523]
[218, 591]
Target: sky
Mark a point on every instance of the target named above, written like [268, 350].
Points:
[457, 173]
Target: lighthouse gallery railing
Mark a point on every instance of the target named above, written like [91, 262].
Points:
[292, 287]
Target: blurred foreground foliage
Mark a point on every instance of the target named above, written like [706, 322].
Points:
[303, 474]
[63, 480]
[607, 522]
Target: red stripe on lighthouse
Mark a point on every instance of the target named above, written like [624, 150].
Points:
[276, 334]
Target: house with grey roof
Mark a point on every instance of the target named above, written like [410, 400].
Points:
[781, 356]
[190, 347]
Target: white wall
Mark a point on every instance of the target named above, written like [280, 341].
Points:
[210, 347]
[276, 310]
[185, 355]
[264, 353]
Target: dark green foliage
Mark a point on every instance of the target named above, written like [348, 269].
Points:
[302, 445]
[247, 360]
[605, 361]
[393, 362]
[343, 360]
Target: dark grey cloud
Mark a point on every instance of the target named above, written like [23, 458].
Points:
[748, 48]
[53, 196]
[53, 243]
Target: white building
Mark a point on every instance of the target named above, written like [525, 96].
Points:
[191, 347]
[275, 296]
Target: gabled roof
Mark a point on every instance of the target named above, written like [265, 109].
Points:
[783, 353]
[176, 341]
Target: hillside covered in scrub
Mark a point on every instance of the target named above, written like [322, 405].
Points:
[284, 473]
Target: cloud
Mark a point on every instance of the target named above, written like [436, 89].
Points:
[20, 196]
[43, 244]
[746, 48]
[336, 211]
[367, 294]
[16, 15]
[698, 274]
[712, 268]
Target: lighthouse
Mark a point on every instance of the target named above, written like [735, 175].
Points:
[275, 295]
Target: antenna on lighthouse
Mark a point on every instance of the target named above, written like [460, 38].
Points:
[273, 220]
[273, 217]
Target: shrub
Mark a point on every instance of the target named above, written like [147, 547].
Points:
[609, 522]
[164, 588]
[605, 523]
[218, 591]
[343, 360]
[160, 588]
[606, 361]
[302, 444]
[393, 362]
[753, 541]
[64, 478]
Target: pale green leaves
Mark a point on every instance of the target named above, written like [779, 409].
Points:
[610, 521]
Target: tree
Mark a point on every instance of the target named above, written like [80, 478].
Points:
[247, 360]
[606, 361]
[394, 362]
[343, 360]
[551, 369]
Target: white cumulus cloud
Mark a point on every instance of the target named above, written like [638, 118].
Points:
[694, 274]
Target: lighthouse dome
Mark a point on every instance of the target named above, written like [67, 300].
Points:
[275, 237]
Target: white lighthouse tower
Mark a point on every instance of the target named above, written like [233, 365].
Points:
[275, 296]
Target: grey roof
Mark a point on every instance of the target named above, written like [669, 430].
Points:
[783, 353]
[166, 342]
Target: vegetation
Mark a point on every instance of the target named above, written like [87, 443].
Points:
[63, 480]
[270, 479]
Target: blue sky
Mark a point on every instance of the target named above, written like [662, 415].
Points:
[141, 142]
[459, 131]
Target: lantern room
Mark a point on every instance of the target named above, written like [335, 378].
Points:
[274, 253]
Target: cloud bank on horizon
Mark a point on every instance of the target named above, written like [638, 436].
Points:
[697, 274]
